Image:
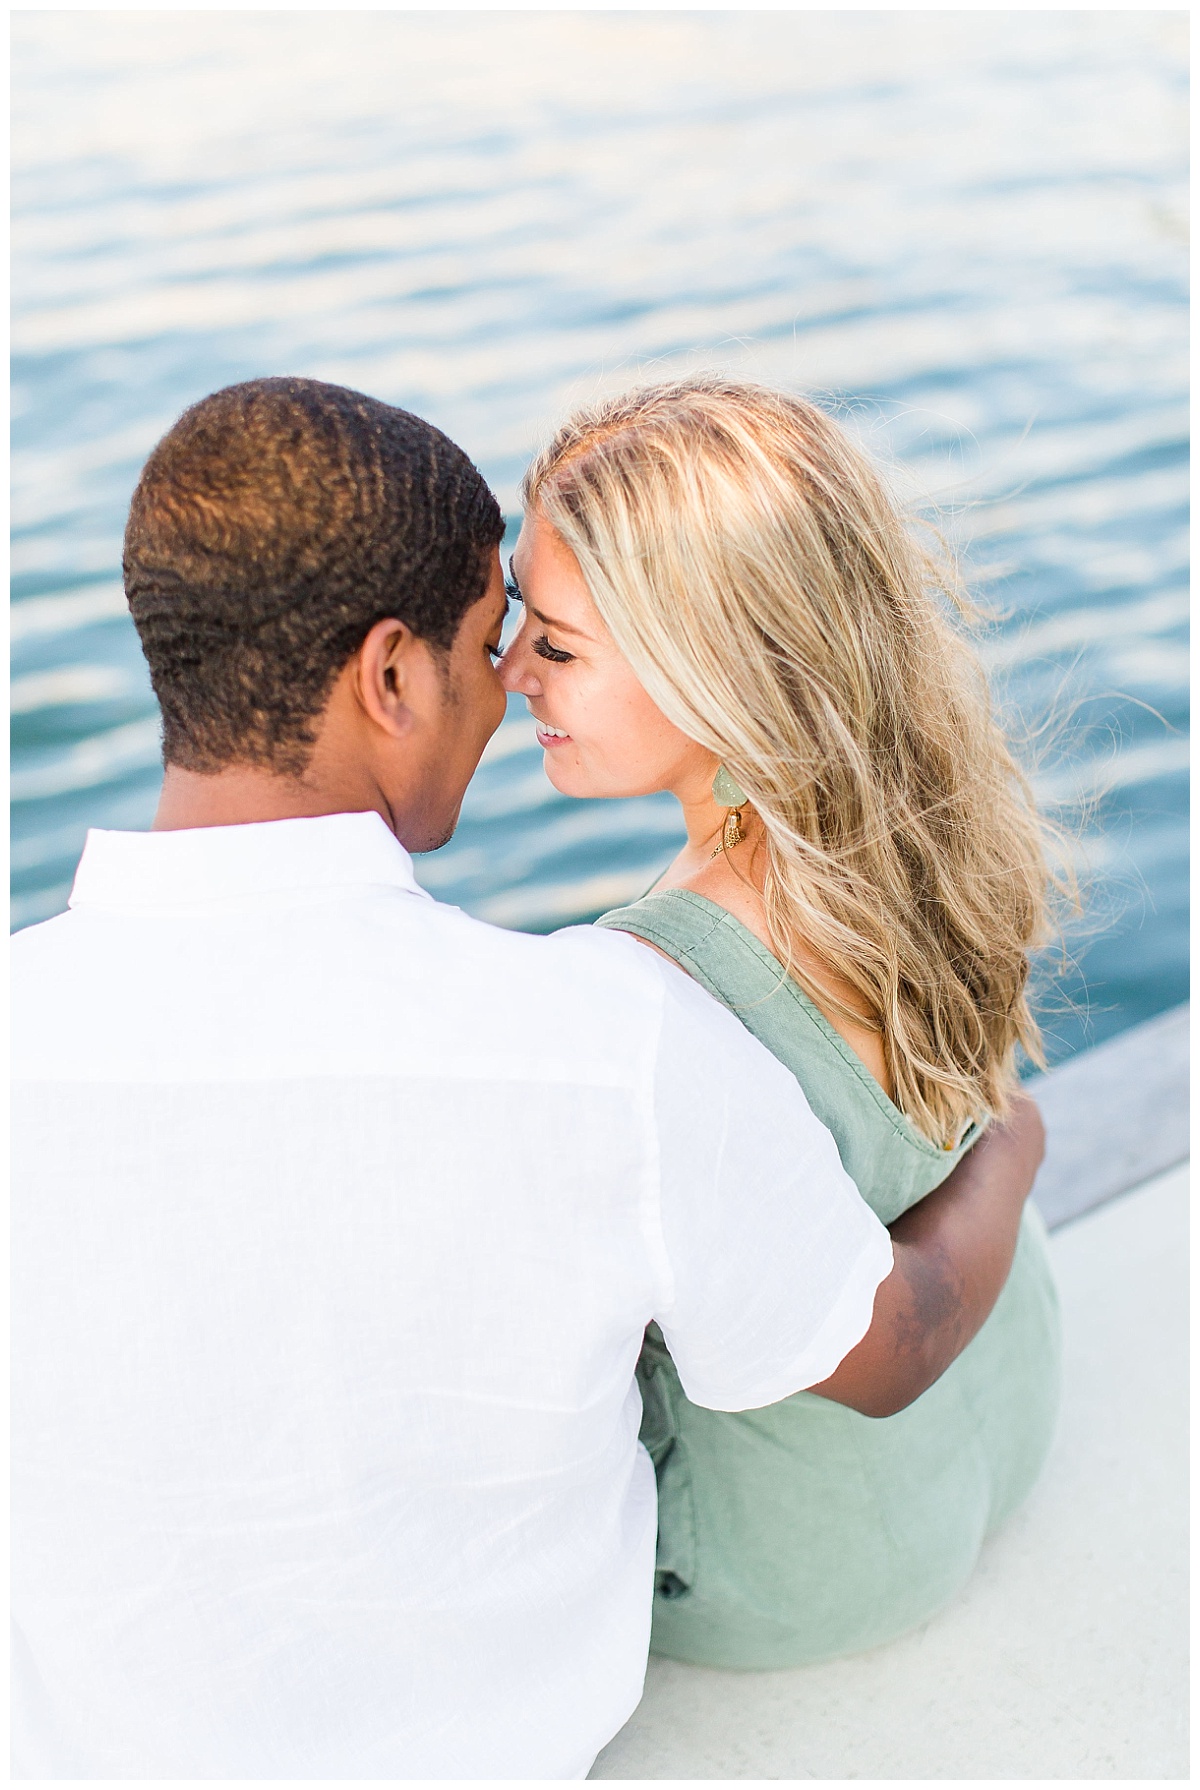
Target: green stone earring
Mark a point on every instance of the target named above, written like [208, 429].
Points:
[726, 791]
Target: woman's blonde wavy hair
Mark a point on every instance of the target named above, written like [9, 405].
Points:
[763, 586]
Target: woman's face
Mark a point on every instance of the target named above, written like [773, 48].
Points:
[602, 734]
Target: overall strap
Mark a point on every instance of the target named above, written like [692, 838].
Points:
[694, 933]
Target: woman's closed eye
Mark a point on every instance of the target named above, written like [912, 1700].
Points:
[544, 650]
[541, 645]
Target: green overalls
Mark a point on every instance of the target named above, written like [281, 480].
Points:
[805, 1530]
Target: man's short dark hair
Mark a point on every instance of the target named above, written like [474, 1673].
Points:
[271, 528]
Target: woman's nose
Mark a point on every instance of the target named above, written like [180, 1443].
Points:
[516, 669]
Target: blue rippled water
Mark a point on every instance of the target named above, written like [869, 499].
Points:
[964, 231]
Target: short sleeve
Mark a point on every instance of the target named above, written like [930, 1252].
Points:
[774, 1256]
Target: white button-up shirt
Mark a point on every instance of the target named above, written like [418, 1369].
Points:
[338, 1218]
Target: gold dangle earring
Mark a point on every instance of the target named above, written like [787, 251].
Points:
[726, 791]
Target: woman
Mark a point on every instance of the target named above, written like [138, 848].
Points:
[721, 601]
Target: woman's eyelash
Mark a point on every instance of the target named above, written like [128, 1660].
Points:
[544, 650]
[541, 645]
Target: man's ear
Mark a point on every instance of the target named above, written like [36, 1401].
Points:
[397, 678]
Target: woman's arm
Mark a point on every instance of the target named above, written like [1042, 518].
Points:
[953, 1252]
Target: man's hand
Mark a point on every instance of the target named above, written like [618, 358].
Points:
[953, 1252]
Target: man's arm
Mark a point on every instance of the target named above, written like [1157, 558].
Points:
[953, 1252]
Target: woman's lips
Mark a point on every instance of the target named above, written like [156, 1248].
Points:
[549, 737]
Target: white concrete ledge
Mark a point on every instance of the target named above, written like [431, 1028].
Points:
[1115, 1116]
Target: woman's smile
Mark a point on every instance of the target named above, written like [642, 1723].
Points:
[549, 736]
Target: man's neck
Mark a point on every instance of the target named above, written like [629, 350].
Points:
[240, 794]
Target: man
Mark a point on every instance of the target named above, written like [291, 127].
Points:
[339, 1216]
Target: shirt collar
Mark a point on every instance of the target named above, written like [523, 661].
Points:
[177, 869]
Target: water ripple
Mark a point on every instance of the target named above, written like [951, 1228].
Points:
[964, 231]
